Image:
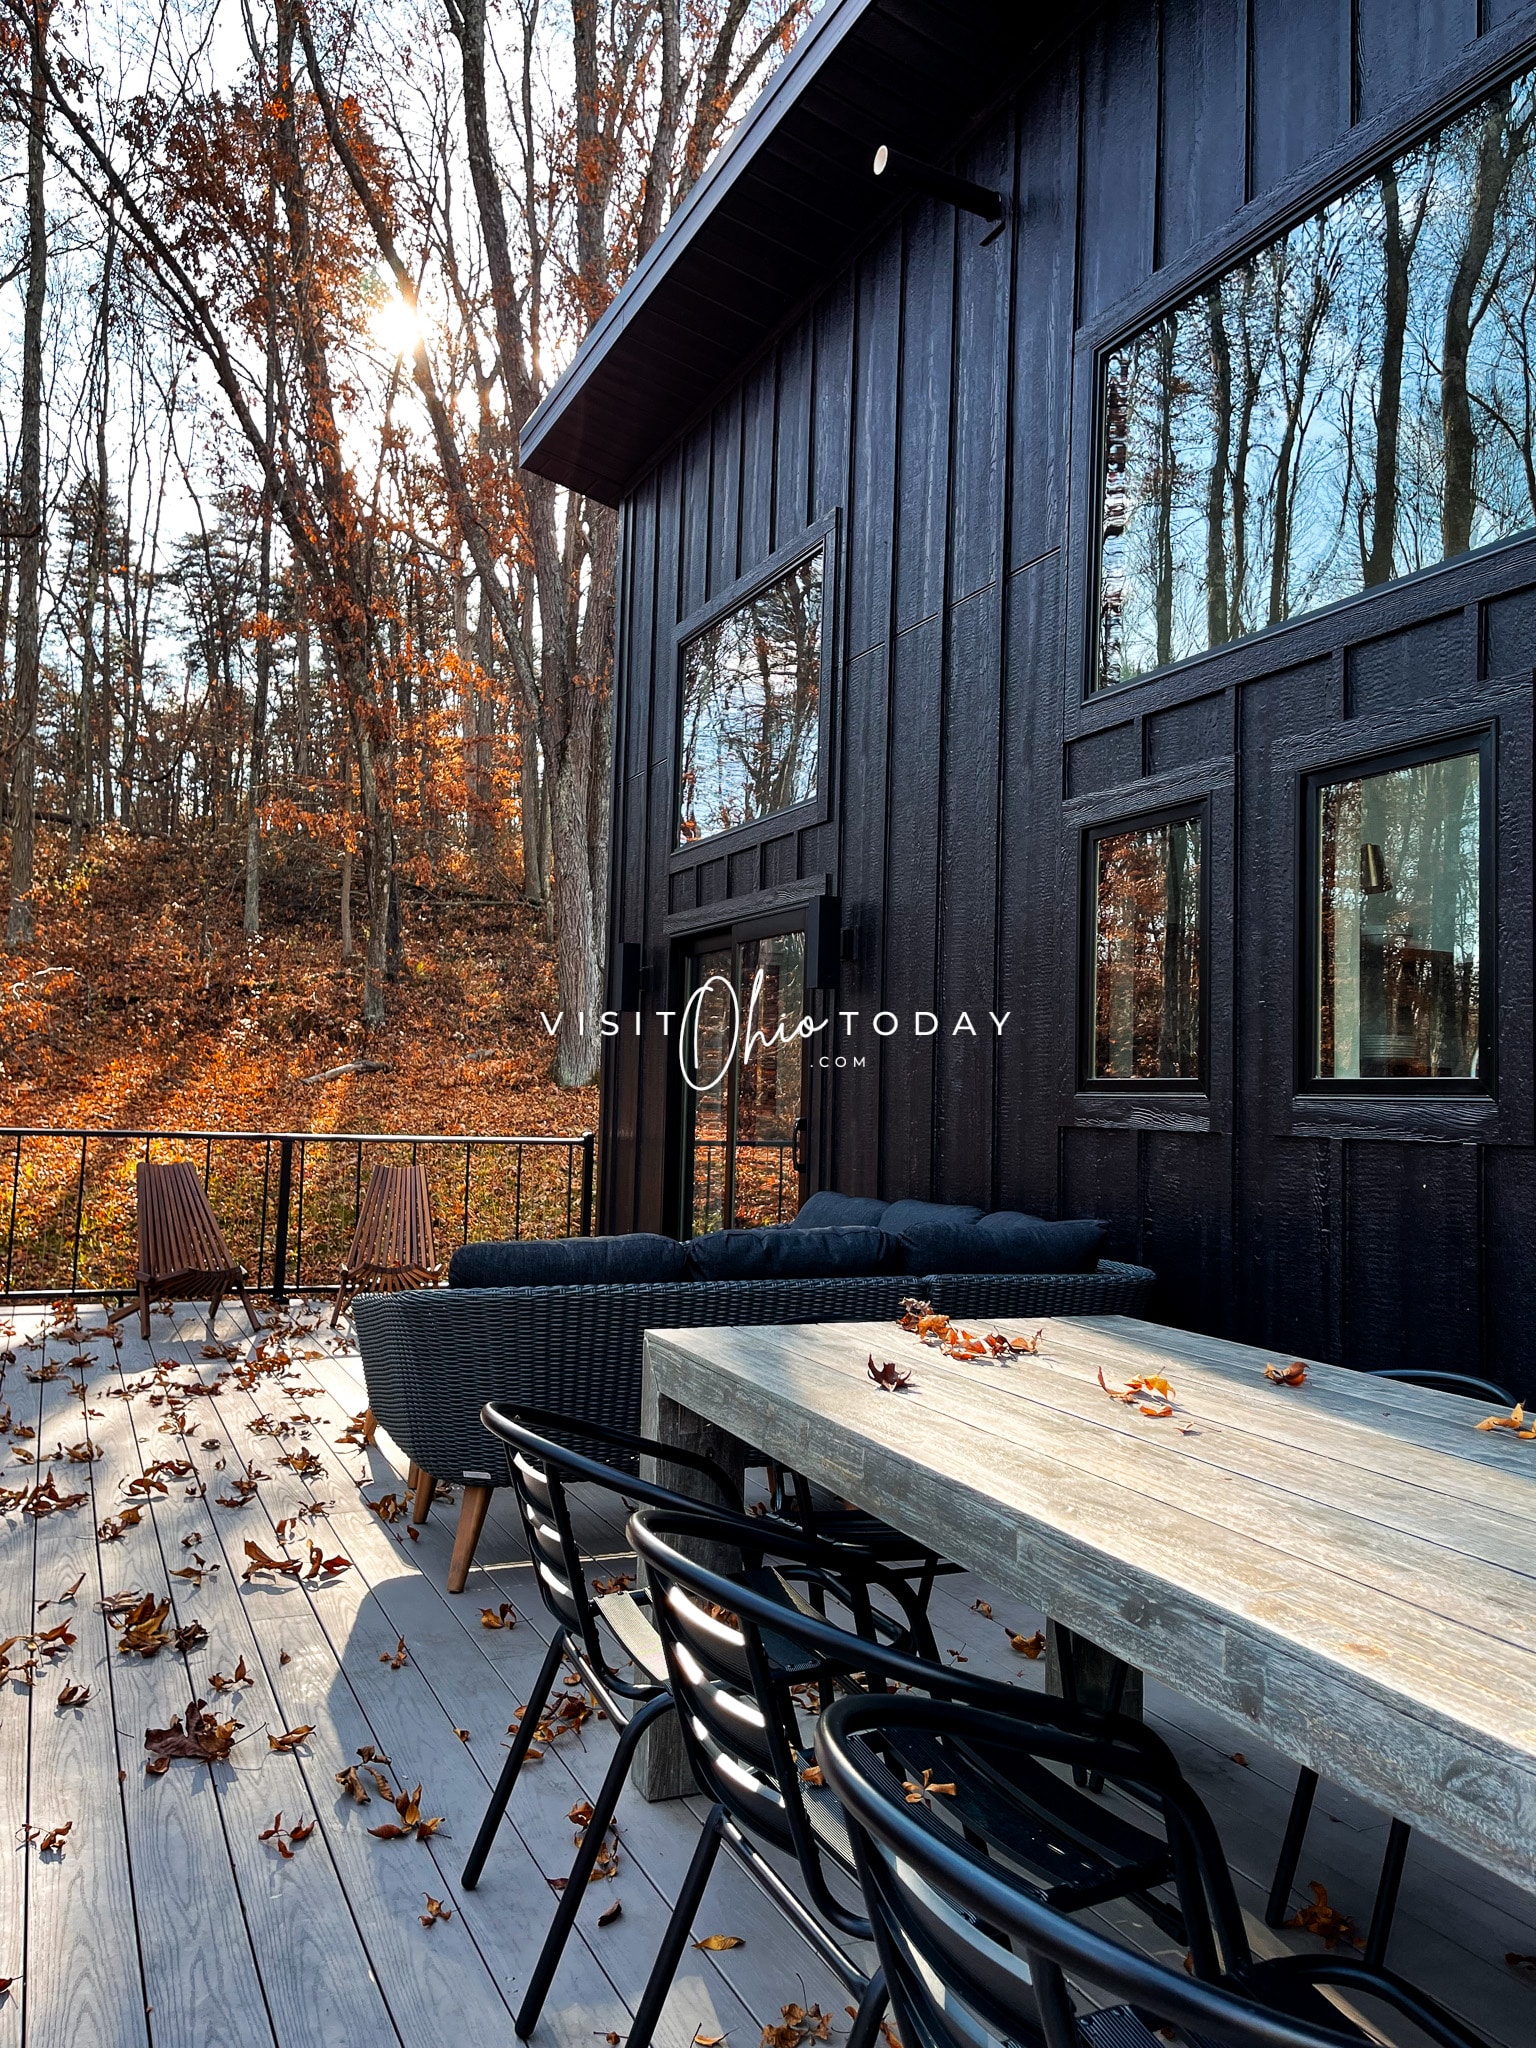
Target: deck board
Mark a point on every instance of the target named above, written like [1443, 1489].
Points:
[166, 1899]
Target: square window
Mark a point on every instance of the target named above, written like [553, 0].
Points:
[1399, 905]
[751, 708]
[1145, 1024]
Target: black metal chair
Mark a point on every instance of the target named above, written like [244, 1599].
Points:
[549, 1451]
[973, 1955]
[745, 1648]
[1389, 1882]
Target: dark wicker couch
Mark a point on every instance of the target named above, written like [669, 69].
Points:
[432, 1359]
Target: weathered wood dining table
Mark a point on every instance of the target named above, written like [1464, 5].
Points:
[1346, 1568]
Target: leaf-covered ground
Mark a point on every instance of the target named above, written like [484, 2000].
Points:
[142, 1005]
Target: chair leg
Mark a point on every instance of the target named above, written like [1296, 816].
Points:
[472, 1508]
[866, 2021]
[250, 1313]
[670, 1954]
[475, 1862]
[412, 1474]
[580, 1875]
[144, 1310]
[370, 1425]
[1380, 1932]
[1290, 1849]
[421, 1498]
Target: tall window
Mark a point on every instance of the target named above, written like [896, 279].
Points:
[1399, 912]
[1352, 403]
[744, 1062]
[1145, 1021]
[751, 722]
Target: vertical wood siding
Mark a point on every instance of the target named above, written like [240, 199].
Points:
[927, 398]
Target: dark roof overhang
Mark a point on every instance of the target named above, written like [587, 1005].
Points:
[780, 211]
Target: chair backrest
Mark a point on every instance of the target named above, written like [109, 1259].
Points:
[178, 1230]
[549, 1452]
[1473, 1388]
[747, 1648]
[394, 1221]
[972, 1957]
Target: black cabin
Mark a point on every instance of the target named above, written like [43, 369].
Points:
[1077, 629]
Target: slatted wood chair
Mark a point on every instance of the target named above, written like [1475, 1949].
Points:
[182, 1253]
[392, 1247]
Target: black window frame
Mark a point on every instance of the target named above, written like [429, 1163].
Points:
[1480, 739]
[1197, 1086]
[822, 538]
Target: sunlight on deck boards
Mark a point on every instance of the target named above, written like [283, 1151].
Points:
[165, 1917]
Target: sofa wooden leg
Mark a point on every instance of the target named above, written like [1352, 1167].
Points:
[412, 1474]
[474, 1500]
[421, 1498]
[370, 1425]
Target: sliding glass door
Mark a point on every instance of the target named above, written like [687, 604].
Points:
[744, 1094]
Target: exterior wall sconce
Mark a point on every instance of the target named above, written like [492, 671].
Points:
[958, 192]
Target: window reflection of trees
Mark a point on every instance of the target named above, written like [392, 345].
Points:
[1351, 403]
[751, 705]
[1146, 965]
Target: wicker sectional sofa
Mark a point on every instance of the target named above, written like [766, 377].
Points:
[432, 1359]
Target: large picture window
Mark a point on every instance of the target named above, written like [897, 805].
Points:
[751, 718]
[1398, 907]
[1353, 402]
[1144, 1021]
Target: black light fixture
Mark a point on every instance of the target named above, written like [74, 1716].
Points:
[960, 192]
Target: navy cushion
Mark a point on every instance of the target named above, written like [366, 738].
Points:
[928, 1234]
[828, 1210]
[1029, 1244]
[568, 1261]
[791, 1254]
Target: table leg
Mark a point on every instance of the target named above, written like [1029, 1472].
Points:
[1078, 1670]
[661, 1768]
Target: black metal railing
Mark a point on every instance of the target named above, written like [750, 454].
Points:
[767, 1180]
[287, 1200]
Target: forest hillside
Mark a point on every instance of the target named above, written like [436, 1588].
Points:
[142, 1005]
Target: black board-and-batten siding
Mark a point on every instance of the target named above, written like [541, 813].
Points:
[932, 405]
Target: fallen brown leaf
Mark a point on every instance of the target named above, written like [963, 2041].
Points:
[610, 1913]
[203, 1738]
[720, 1941]
[1325, 1921]
[291, 1739]
[1032, 1647]
[436, 1910]
[1292, 1375]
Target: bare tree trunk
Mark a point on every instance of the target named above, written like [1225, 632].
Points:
[303, 709]
[1216, 613]
[1497, 155]
[254, 791]
[23, 805]
[1162, 533]
[346, 851]
[1398, 250]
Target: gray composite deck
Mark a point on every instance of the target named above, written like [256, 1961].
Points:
[166, 1919]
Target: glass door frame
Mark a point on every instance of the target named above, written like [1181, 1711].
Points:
[732, 938]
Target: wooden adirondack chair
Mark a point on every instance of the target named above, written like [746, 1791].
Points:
[392, 1247]
[182, 1253]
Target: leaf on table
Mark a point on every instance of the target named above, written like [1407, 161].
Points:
[721, 1941]
[1239, 1758]
[1292, 1375]
[619, 1582]
[1325, 1921]
[1032, 1647]
[1514, 1421]
[811, 1775]
[291, 1738]
[436, 1911]
[498, 1617]
[983, 1608]
[610, 1913]
[888, 1376]
[1134, 1393]
[202, 1737]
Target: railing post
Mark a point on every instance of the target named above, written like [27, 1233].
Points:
[586, 1183]
[280, 1234]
